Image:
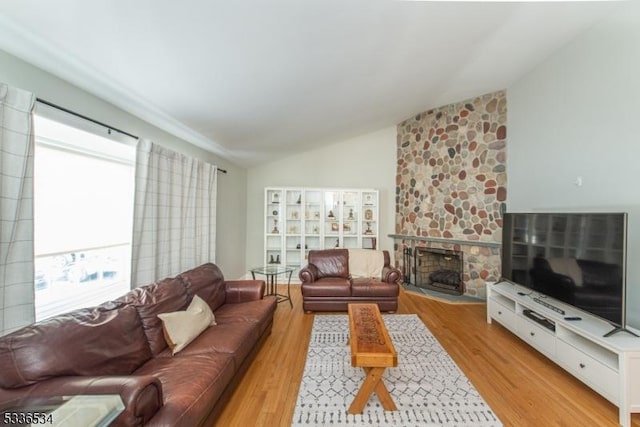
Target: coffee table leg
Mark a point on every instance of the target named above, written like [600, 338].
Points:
[372, 382]
[385, 398]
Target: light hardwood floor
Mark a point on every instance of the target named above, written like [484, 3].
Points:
[523, 387]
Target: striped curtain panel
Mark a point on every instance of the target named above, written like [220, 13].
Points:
[174, 221]
[17, 307]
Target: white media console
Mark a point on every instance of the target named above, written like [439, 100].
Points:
[610, 366]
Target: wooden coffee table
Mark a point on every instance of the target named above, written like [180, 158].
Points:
[371, 350]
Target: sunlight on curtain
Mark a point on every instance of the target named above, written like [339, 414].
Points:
[16, 209]
[174, 213]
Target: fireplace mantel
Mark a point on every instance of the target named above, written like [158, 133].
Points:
[449, 241]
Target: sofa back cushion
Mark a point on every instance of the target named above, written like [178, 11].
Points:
[165, 296]
[103, 340]
[207, 282]
[331, 262]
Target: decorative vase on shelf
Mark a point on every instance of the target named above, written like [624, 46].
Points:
[275, 198]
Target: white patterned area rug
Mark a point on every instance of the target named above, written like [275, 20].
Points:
[427, 387]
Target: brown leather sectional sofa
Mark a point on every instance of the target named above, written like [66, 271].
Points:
[119, 348]
[327, 284]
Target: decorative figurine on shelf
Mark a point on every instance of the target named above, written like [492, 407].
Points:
[298, 246]
[331, 215]
[275, 227]
[275, 198]
[278, 259]
[368, 230]
[294, 215]
[293, 230]
[316, 215]
[271, 260]
[337, 243]
[351, 217]
[299, 199]
[368, 215]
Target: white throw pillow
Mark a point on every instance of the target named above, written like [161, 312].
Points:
[182, 327]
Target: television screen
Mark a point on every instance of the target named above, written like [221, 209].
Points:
[577, 258]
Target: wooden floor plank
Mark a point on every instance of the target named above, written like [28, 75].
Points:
[522, 386]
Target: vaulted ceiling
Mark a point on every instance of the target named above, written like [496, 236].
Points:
[253, 80]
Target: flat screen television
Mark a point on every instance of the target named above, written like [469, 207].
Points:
[576, 258]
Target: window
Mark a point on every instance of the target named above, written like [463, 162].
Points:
[83, 211]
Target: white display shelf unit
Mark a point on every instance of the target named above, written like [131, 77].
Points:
[609, 365]
[298, 220]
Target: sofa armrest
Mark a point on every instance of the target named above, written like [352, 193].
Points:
[390, 274]
[309, 273]
[141, 394]
[244, 290]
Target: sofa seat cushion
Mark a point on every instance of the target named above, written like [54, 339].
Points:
[232, 339]
[190, 385]
[373, 288]
[259, 311]
[327, 287]
[103, 340]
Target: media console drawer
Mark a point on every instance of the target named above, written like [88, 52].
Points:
[502, 314]
[599, 377]
[538, 337]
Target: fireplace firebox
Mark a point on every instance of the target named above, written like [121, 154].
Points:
[439, 269]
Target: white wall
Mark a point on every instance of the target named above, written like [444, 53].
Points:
[367, 161]
[577, 115]
[230, 236]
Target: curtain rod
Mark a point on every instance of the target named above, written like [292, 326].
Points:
[110, 128]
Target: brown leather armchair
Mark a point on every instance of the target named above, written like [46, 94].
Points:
[327, 284]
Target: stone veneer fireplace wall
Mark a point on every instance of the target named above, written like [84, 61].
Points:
[451, 184]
